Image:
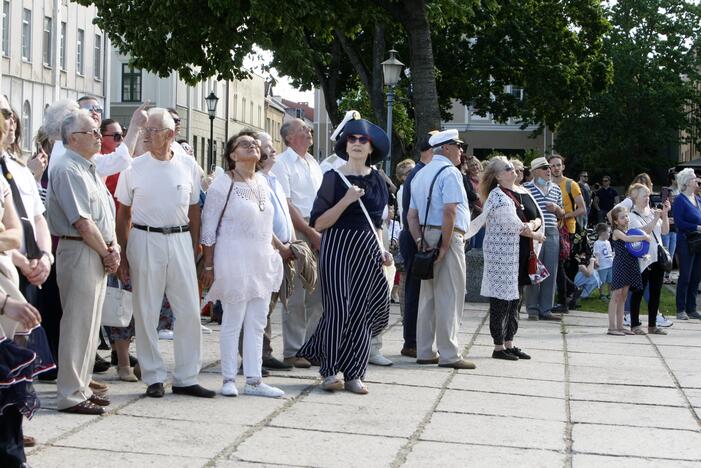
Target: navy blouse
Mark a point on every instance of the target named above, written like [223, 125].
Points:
[333, 189]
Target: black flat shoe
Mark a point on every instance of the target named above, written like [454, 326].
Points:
[194, 390]
[132, 359]
[100, 365]
[272, 363]
[155, 390]
[518, 353]
[502, 354]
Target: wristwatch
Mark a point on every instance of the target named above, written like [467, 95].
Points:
[48, 255]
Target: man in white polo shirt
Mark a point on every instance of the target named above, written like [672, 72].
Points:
[159, 198]
[300, 177]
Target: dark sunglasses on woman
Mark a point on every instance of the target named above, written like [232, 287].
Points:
[117, 136]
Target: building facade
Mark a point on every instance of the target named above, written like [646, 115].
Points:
[50, 51]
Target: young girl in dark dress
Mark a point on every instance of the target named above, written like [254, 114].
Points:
[626, 271]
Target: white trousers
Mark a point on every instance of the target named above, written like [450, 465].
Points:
[302, 314]
[441, 303]
[161, 264]
[82, 282]
[253, 316]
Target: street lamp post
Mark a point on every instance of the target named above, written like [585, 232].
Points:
[211, 100]
[391, 70]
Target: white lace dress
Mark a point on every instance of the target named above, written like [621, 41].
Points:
[246, 266]
[500, 247]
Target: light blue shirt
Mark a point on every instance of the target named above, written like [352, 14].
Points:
[282, 223]
[448, 188]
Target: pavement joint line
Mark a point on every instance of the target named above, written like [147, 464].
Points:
[118, 451]
[586, 423]
[484, 444]
[689, 406]
[618, 455]
[653, 405]
[404, 451]
[257, 462]
[568, 406]
[496, 392]
[623, 384]
[231, 448]
[494, 415]
[329, 431]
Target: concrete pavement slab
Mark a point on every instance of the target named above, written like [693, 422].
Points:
[329, 449]
[625, 376]
[627, 394]
[636, 442]
[600, 461]
[522, 369]
[425, 454]
[61, 457]
[633, 415]
[462, 401]
[508, 385]
[496, 431]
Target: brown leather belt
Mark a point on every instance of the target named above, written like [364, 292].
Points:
[80, 239]
[440, 228]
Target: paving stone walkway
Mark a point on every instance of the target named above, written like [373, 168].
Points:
[585, 399]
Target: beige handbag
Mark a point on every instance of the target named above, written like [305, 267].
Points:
[117, 308]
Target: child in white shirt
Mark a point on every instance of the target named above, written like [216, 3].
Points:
[604, 257]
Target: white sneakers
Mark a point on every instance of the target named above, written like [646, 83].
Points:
[626, 320]
[229, 388]
[379, 360]
[165, 334]
[205, 330]
[263, 390]
[663, 321]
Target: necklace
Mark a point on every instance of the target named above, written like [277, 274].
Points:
[259, 195]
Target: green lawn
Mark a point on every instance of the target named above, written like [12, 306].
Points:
[667, 304]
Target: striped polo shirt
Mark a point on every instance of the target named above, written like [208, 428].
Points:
[554, 195]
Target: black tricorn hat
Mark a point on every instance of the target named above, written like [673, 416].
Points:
[378, 139]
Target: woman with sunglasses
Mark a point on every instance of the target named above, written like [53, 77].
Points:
[355, 294]
[119, 337]
[512, 221]
[241, 267]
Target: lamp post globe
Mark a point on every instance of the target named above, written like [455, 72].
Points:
[211, 101]
[391, 71]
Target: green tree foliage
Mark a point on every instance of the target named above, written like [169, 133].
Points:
[654, 100]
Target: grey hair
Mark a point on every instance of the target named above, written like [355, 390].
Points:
[54, 116]
[437, 150]
[164, 115]
[71, 123]
[285, 130]
[684, 176]
[264, 136]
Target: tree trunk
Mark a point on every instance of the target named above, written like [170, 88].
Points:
[413, 16]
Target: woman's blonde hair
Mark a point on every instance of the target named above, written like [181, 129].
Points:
[635, 190]
[614, 216]
[404, 166]
[489, 176]
[642, 178]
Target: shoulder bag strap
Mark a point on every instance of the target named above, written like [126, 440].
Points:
[228, 196]
[428, 200]
[653, 229]
[365, 211]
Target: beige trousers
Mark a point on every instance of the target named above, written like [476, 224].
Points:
[441, 302]
[82, 282]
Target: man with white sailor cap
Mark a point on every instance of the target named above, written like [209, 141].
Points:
[441, 225]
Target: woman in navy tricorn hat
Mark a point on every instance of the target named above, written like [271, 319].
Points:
[348, 212]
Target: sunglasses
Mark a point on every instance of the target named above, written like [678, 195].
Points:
[117, 136]
[508, 168]
[94, 108]
[361, 139]
[94, 132]
[177, 121]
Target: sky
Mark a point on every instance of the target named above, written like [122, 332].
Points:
[283, 88]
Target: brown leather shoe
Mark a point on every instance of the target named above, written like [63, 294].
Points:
[408, 352]
[28, 441]
[427, 361]
[461, 364]
[95, 385]
[297, 362]
[85, 407]
[99, 400]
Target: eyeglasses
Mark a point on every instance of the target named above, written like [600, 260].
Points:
[94, 132]
[247, 144]
[176, 120]
[117, 136]
[93, 108]
[360, 139]
[148, 130]
[7, 113]
[508, 168]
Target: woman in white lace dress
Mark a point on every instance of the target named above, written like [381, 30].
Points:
[242, 269]
[510, 216]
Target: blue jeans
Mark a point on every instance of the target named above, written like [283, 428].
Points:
[539, 297]
[689, 276]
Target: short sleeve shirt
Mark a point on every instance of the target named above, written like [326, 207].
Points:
[603, 253]
[553, 195]
[160, 192]
[29, 193]
[75, 191]
[567, 201]
[300, 178]
[447, 189]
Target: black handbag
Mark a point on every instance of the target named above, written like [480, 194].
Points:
[422, 268]
[693, 241]
[663, 256]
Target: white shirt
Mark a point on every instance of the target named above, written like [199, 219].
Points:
[282, 222]
[26, 184]
[300, 178]
[603, 254]
[105, 164]
[160, 192]
[639, 221]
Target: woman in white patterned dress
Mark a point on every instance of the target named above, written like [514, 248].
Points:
[242, 269]
[510, 215]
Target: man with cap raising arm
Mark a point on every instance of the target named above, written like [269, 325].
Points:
[444, 227]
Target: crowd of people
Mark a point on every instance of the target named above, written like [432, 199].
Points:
[98, 206]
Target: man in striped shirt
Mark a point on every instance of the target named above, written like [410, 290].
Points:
[539, 297]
